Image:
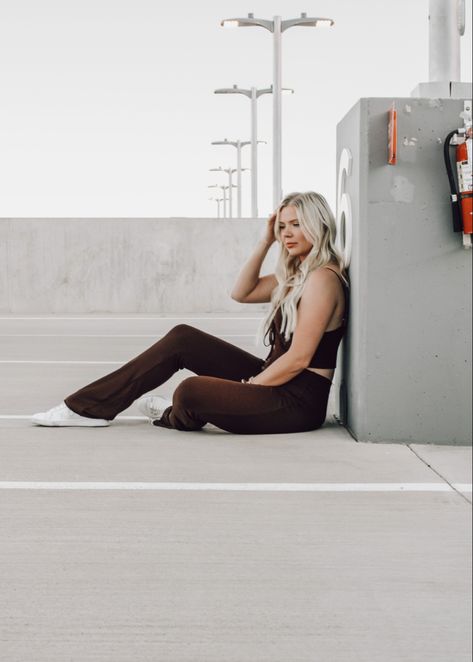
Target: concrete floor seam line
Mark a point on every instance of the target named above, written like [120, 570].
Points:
[231, 487]
[429, 466]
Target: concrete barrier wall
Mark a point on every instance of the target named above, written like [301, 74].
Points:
[158, 265]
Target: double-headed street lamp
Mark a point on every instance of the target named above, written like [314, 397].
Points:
[277, 27]
[229, 172]
[223, 198]
[253, 95]
[218, 201]
[238, 144]
[224, 189]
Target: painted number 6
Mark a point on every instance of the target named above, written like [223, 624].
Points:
[344, 214]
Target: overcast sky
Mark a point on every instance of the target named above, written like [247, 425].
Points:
[107, 106]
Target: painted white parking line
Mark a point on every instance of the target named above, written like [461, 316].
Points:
[23, 417]
[238, 487]
[66, 362]
[148, 317]
[70, 362]
[111, 335]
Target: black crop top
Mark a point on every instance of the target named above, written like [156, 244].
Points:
[326, 353]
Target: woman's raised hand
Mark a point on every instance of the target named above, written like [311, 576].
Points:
[269, 237]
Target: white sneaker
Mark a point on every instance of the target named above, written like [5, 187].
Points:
[153, 406]
[62, 416]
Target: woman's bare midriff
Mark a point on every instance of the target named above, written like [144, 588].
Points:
[325, 372]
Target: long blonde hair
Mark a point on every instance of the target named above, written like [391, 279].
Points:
[318, 226]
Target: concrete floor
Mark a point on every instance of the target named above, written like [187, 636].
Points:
[306, 547]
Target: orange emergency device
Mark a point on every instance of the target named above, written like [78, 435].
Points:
[392, 135]
[461, 184]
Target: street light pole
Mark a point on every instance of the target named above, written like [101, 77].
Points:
[218, 201]
[224, 197]
[277, 27]
[229, 172]
[229, 192]
[238, 144]
[254, 152]
[238, 148]
[253, 94]
[277, 112]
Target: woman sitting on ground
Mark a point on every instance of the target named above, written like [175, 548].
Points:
[233, 389]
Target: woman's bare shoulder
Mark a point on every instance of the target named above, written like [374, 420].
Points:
[334, 266]
[323, 272]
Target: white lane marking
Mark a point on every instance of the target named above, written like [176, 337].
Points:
[23, 417]
[72, 362]
[139, 319]
[112, 335]
[238, 487]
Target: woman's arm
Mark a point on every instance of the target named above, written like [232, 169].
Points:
[282, 370]
[249, 278]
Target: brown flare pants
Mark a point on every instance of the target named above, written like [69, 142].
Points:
[215, 395]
